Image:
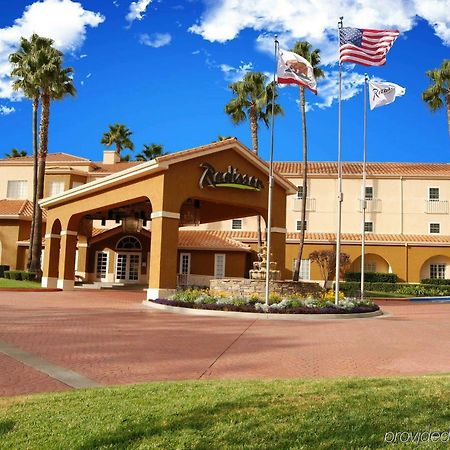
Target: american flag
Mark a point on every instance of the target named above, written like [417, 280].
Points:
[365, 47]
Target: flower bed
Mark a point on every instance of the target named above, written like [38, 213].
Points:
[201, 299]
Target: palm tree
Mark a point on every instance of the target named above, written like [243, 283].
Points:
[304, 49]
[150, 151]
[439, 92]
[53, 82]
[253, 101]
[118, 135]
[24, 63]
[16, 153]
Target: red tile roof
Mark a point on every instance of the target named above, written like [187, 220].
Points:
[51, 157]
[198, 240]
[251, 236]
[22, 208]
[208, 239]
[112, 168]
[355, 168]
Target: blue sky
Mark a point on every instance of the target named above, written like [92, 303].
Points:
[163, 69]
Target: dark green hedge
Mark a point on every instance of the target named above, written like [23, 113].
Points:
[371, 277]
[438, 281]
[352, 288]
[20, 275]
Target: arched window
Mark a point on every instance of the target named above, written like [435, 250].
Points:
[129, 243]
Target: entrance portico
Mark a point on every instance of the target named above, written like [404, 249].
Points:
[219, 181]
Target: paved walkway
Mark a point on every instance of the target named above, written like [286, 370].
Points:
[55, 341]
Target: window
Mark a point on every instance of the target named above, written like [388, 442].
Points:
[369, 193]
[101, 265]
[17, 189]
[299, 191]
[435, 228]
[236, 224]
[55, 187]
[370, 267]
[129, 243]
[368, 227]
[219, 265]
[433, 193]
[437, 271]
[185, 263]
[298, 225]
[304, 273]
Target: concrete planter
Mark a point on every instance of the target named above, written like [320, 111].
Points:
[262, 316]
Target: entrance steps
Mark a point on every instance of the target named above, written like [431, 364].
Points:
[112, 286]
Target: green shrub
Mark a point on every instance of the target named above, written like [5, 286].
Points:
[352, 288]
[28, 276]
[7, 274]
[371, 277]
[438, 281]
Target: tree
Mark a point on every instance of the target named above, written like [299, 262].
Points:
[150, 151]
[326, 259]
[439, 92]
[16, 153]
[37, 69]
[304, 49]
[24, 71]
[222, 138]
[253, 101]
[119, 136]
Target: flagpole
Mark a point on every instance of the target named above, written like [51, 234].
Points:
[339, 183]
[363, 198]
[269, 207]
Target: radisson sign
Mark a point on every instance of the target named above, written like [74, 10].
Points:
[231, 178]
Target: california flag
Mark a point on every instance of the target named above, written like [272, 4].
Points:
[383, 93]
[294, 69]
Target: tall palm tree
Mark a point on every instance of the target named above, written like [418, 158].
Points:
[439, 92]
[24, 73]
[16, 153]
[150, 151]
[54, 83]
[253, 101]
[304, 49]
[119, 136]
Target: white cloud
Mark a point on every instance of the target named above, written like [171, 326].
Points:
[316, 20]
[233, 74]
[156, 40]
[64, 21]
[195, 52]
[328, 88]
[5, 110]
[137, 10]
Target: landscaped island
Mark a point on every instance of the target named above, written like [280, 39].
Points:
[293, 304]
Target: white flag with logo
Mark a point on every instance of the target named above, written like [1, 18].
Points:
[383, 93]
[294, 69]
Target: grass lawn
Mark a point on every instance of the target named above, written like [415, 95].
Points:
[312, 414]
[378, 294]
[5, 283]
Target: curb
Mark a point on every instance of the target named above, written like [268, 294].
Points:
[30, 290]
[263, 316]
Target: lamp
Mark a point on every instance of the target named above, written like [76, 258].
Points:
[132, 225]
[190, 212]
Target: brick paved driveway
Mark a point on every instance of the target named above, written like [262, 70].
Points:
[110, 338]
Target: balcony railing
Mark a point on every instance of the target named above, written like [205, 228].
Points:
[436, 206]
[310, 204]
[372, 206]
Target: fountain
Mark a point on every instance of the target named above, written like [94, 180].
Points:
[260, 267]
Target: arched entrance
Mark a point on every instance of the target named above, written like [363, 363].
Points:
[372, 263]
[128, 260]
[437, 267]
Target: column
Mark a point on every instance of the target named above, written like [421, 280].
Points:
[163, 254]
[278, 249]
[66, 276]
[51, 261]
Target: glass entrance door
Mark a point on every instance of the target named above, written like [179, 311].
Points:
[128, 267]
